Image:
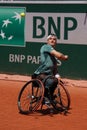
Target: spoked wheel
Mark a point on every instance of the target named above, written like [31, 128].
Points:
[30, 96]
[62, 97]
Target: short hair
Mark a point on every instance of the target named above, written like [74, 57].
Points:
[51, 35]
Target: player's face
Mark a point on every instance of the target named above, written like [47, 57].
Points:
[52, 41]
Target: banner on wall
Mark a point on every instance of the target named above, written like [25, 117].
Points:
[70, 28]
[12, 26]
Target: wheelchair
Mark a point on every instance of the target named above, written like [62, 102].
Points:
[31, 97]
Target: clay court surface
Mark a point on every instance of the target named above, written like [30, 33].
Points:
[11, 119]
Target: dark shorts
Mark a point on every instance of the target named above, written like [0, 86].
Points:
[48, 80]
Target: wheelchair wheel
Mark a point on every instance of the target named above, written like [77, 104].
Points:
[30, 96]
[62, 97]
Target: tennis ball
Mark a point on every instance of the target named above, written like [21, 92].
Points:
[22, 14]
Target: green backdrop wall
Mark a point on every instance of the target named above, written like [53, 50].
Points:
[25, 59]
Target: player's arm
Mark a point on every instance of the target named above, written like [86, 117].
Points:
[59, 55]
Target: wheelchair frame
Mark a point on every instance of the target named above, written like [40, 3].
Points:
[31, 97]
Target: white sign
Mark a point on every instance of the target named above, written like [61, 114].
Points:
[70, 28]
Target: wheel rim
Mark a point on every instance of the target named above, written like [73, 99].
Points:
[62, 97]
[30, 97]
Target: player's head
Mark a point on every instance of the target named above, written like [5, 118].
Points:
[51, 35]
[52, 39]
